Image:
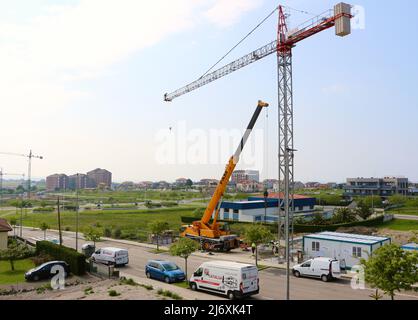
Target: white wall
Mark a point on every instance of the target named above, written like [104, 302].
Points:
[337, 250]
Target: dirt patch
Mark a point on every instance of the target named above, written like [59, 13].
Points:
[359, 230]
[86, 288]
[398, 237]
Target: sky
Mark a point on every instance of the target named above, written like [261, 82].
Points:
[82, 81]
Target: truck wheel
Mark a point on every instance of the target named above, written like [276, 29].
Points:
[193, 286]
[324, 278]
[296, 273]
[231, 295]
[148, 275]
[167, 280]
[35, 278]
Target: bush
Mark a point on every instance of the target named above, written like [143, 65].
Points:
[107, 232]
[113, 293]
[117, 233]
[46, 209]
[41, 259]
[76, 260]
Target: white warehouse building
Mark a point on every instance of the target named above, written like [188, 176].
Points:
[347, 248]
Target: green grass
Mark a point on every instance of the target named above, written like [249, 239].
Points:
[12, 277]
[129, 221]
[413, 211]
[401, 225]
[183, 284]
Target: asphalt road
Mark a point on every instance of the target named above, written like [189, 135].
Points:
[405, 217]
[272, 280]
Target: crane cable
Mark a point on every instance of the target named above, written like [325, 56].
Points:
[241, 41]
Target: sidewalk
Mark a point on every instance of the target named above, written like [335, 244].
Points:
[186, 294]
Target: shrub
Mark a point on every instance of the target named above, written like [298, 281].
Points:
[107, 232]
[117, 233]
[113, 293]
[46, 209]
[41, 259]
[76, 260]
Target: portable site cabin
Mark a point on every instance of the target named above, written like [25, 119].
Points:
[347, 248]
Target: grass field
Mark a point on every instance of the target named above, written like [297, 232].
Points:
[413, 211]
[401, 225]
[12, 277]
[130, 222]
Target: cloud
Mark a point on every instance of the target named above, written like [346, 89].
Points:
[228, 12]
[42, 59]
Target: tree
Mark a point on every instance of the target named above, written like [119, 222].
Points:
[93, 234]
[373, 201]
[397, 200]
[363, 210]
[257, 234]
[343, 215]
[184, 247]
[15, 251]
[158, 228]
[44, 227]
[318, 219]
[198, 212]
[391, 269]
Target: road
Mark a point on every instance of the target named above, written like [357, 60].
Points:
[272, 280]
[405, 217]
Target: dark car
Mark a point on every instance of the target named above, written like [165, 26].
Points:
[44, 271]
[164, 270]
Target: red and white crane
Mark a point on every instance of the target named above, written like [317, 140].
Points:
[340, 18]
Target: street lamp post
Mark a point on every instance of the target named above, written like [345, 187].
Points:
[76, 216]
[266, 194]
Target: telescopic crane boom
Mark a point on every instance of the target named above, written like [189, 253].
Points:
[213, 235]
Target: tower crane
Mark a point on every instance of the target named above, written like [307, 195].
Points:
[29, 156]
[286, 40]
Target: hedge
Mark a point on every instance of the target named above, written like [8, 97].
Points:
[301, 228]
[76, 260]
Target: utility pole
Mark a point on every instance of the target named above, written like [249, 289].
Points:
[59, 220]
[76, 216]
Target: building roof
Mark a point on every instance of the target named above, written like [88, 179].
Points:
[410, 246]
[348, 237]
[5, 226]
[280, 195]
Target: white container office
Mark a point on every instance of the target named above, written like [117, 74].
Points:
[347, 248]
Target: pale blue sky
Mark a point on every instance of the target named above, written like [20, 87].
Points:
[82, 84]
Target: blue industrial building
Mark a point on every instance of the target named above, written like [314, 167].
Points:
[258, 209]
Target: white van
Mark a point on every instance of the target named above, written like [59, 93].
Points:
[111, 256]
[235, 280]
[324, 268]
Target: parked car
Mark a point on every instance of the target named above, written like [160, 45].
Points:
[323, 268]
[111, 256]
[44, 271]
[235, 280]
[164, 270]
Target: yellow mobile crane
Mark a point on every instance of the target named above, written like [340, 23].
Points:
[217, 236]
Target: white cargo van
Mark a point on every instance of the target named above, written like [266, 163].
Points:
[235, 280]
[323, 268]
[111, 256]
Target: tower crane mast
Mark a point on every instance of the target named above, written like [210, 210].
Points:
[30, 156]
[286, 40]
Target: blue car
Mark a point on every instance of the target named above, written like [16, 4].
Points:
[164, 270]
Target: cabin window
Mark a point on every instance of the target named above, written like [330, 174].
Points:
[315, 246]
[357, 252]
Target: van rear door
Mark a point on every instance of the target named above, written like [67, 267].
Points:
[249, 278]
[335, 269]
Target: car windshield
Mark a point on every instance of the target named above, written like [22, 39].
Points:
[170, 266]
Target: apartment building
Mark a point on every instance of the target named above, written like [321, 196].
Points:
[57, 182]
[383, 187]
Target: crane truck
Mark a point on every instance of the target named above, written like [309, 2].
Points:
[212, 235]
